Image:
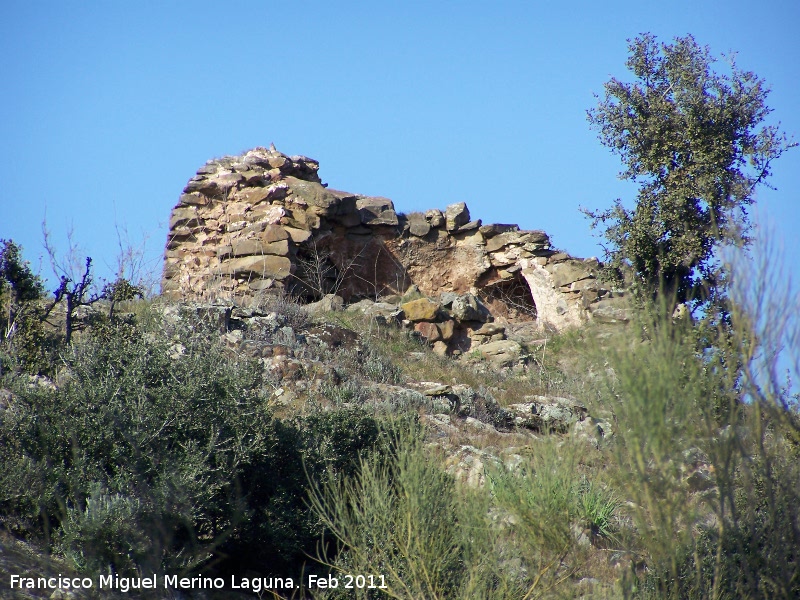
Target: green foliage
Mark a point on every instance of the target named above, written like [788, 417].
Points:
[16, 278]
[551, 507]
[149, 458]
[695, 141]
[707, 467]
[26, 343]
[110, 530]
[120, 290]
[402, 517]
[597, 510]
[133, 421]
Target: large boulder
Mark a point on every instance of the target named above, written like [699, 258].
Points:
[274, 267]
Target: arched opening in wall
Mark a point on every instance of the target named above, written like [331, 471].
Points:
[350, 267]
[315, 273]
[509, 298]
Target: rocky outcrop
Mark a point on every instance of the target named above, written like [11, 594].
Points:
[263, 222]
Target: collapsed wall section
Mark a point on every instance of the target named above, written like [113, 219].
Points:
[264, 223]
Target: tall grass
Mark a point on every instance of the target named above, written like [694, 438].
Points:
[706, 458]
[403, 521]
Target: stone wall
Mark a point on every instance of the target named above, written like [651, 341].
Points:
[263, 222]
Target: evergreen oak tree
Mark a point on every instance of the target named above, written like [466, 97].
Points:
[696, 142]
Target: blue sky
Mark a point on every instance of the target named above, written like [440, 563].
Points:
[109, 107]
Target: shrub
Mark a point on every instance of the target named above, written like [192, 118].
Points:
[149, 458]
[401, 519]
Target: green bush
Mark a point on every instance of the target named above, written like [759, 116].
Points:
[684, 395]
[137, 420]
[27, 344]
[111, 530]
[156, 429]
[402, 519]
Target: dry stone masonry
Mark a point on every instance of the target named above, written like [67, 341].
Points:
[264, 223]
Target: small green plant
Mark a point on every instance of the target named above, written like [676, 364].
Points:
[112, 529]
[349, 391]
[597, 510]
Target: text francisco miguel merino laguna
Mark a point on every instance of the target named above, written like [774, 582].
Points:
[252, 584]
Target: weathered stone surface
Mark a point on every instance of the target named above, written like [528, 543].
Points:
[469, 308]
[502, 353]
[470, 226]
[276, 267]
[555, 310]
[440, 348]
[494, 229]
[298, 235]
[469, 465]
[376, 211]
[456, 215]
[534, 238]
[490, 329]
[382, 312]
[565, 273]
[256, 247]
[418, 225]
[420, 310]
[274, 233]
[312, 194]
[446, 329]
[428, 330]
[548, 413]
[182, 216]
[329, 303]
[435, 217]
[194, 199]
[610, 311]
[255, 195]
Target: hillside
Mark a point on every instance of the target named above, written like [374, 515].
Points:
[418, 406]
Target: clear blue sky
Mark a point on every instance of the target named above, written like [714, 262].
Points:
[109, 107]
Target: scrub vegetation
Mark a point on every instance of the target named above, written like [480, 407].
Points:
[135, 441]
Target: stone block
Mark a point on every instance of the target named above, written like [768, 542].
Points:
[440, 348]
[490, 329]
[534, 238]
[434, 217]
[298, 236]
[456, 215]
[257, 247]
[274, 233]
[314, 195]
[418, 225]
[376, 211]
[502, 353]
[194, 199]
[420, 310]
[446, 329]
[565, 273]
[182, 216]
[275, 267]
[494, 229]
[468, 308]
[428, 330]
[470, 226]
